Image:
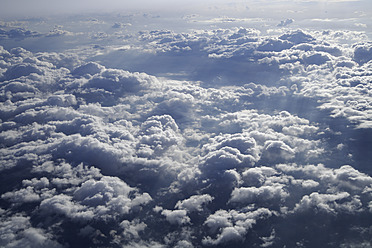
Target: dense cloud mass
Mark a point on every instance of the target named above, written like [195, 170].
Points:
[263, 141]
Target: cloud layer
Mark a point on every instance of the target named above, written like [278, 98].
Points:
[264, 145]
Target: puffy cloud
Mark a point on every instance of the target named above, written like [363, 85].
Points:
[63, 205]
[90, 68]
[340, 178]
[66, 60]
[194, 203]
[96, 193]
[176, 217]
[230, 151]
[27, 194]
[21, 70]
[363, 52]
[158, 134]
[277, 151]
[104, 199]
[184, 244]
[233, 225]
[257, 176]
[268, 241]
[297, 37]
[316, 58]
[132, 228]
[224, 159]
[286, 22]
[121, 25]
[18, 33]
[117, 81]
[23, 195]
[87, 151]
[58, 32]
[17, 231]
[275, 45]
[242, 142]
[253, 194]
[325, 202]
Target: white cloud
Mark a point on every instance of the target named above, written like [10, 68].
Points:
[176, 217]
[323, 202]
[257, 176]
[363, 52]
[194, 203]
[132, 228]
[22, 195]
[285, 23]
[136, 160]
[158, 134]
[253, 194]
[103, 199]
[232, 225]
[277, 151]
[17, 231]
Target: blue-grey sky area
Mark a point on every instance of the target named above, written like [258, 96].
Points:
[339, 8]
[20, 7]
[185, 124]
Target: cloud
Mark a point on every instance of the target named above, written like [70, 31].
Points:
[21, 70]
[253, 140]
[18, 33]
[90, 68]
[316, 58]
[17, 231]
[322, 202]
[58, 32]
[286, 22]
[63, 205]
[253, 194]
[277, 151]
[224, 159]
[363, 53]
[257, 176]
[194, 203]
[158, 133]
[132, 228]
[120, 81]
[176, 217]
[233, 225]
[103, 199]
[297, 37]
[23, 195]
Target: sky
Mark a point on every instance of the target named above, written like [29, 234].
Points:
[193, 124]
[307, 8]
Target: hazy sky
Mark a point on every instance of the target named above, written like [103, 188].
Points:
[21, 7]
[313, 7]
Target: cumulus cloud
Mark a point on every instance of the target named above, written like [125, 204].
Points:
[285, 23]
[363, 52]
[233, 225]
[18, 33]
[18, 231]
[253, 194]
[194, 203]
[323, 202]
[177, 217]
[277, 150]
[252, 141]
[132, 229]
[158, 134]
